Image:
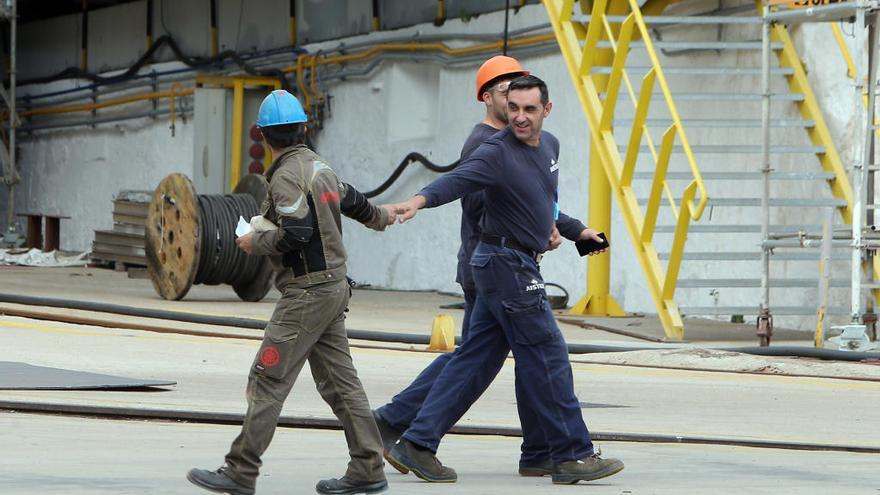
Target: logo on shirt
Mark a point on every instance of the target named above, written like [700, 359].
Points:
[554, 166]
[535, 285]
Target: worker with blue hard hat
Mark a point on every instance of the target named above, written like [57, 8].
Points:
[305, 201]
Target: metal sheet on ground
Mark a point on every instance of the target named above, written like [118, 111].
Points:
[23, 376]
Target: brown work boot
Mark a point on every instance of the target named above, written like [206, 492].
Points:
[586, 469]
[422, 462]
[389, 435]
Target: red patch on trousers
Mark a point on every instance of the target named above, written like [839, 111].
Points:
[330, 197]
[269, 357]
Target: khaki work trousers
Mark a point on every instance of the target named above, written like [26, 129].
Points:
[308, 324]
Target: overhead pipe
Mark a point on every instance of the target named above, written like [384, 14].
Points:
[364, 71]
[283, 52]
[100, 120]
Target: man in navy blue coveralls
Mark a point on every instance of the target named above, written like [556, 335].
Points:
[395, 417]
[518, 171]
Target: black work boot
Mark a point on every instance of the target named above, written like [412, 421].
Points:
[346, 485]
[586, 469]
[422, 462]
[536, 468]
[217, 481]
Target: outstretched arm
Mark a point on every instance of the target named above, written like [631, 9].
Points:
[356, 206]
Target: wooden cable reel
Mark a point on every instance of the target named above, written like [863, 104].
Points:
[191, 239]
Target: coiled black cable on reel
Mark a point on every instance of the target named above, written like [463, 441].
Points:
[190, 239]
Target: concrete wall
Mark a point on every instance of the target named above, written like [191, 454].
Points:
[78, 172]
[429, 108]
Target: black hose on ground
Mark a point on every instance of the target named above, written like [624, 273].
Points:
[311, 422]
[405, 338]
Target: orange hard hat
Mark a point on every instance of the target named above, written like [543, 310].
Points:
[497, 66]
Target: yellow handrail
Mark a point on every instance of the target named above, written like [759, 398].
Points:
[579, 48]
[844, 51]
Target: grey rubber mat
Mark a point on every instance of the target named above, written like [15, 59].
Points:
[23, 376]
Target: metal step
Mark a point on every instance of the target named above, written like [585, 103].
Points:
[780, 202]
[701, 71]
[739, 229]
[755, 256]
[710, 283]
[727, 149]
[745, 176]
[717, 97]
[699, 45]
[721, 123]
[672, 19]
[753, 310]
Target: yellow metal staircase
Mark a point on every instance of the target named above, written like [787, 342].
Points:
[610, 50]
[598, 92]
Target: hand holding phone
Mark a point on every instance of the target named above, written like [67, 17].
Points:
[587, 246]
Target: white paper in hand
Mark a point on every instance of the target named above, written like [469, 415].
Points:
[243, 227]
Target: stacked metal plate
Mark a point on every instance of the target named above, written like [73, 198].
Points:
[125, 243]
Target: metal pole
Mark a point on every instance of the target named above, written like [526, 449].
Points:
[824, 280]
[868, 268]
[10, 221]
[764, 326]
[861, 159]
[506, 24]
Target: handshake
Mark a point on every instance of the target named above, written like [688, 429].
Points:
[402, 212]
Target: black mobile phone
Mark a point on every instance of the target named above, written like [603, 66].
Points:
[588, 246]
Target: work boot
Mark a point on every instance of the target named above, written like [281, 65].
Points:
[536, 468]
[586, 469]
[422, 462]
[217, 481]
[389, 434]
[346, 485]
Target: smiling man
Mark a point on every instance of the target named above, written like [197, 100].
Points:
[518, 171]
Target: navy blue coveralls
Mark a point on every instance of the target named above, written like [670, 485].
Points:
[511, 312]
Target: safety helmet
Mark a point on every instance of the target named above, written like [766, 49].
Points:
[499, 65]
[280, 108]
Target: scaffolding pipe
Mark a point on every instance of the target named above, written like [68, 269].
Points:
[824, 280]
[819, 13]
[861, 160]
[11, 180]
[765, 161]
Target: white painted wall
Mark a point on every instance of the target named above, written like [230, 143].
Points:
[431, 109]
[78, 172]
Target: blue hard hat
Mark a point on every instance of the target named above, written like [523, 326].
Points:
[280, 108]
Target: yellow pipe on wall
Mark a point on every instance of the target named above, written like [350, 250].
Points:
[237, 118]
[88, 107]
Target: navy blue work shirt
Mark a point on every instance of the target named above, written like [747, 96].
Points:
[471, 209]
[519, 183]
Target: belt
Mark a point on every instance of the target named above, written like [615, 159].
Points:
[501, 241]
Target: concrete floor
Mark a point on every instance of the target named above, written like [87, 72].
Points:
[122, 457]
[65, 454]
